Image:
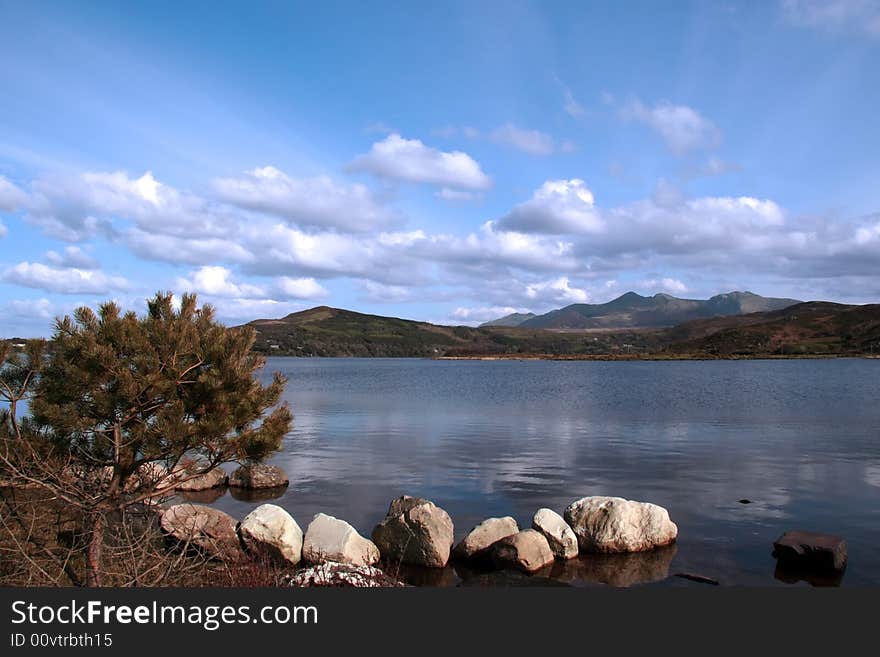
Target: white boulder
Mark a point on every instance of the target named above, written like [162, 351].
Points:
[613, 524]
[527, 550]
[270, 531]
[562, 539]
[484, 536]
[330, 539]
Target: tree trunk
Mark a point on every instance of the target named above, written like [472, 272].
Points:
[95, 551]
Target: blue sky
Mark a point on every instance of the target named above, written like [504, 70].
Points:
[447, 161]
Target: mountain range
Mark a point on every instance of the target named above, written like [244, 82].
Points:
[632, 310]
[809, 329]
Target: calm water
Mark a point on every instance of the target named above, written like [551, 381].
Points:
[801, 439]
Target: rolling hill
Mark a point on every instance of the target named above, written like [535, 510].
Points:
[325, 331]
[814, 328]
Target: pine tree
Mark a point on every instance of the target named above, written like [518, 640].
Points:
[121, 402]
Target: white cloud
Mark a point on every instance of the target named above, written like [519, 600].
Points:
[31, 308]
[80, 207]
[217, 281]
[669, 285]
[62, 280]
[246, 310]
[318, 202]
[11, 197]
[410, 160]
[72, 257]
[481, 314]
[689, 226]
[402, 238]
[282, 248]
[493, 247]
[187, 250]
[455, 195]
[381, 293]
[533, 142]
[835, 15]
[550, 250]
[570, 105]
[299, 288]
[3, 230]
[746, 211]
[666, 223]
[681, 127]
[556, 292]
[715, 166]
[557, 207]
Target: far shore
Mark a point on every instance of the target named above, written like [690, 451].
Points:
[592, 357]
[654, 357]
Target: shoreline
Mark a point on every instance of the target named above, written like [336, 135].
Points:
[655, 357]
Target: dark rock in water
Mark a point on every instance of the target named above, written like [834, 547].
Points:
[511, 578]
[702, 579]
[810, 551]
[745, 501]
[258, 475]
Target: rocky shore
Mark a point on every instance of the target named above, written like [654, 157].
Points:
[609, 540]
[417, 533]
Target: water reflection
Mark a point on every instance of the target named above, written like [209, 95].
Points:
[257, 494]
[818, 579]
[208, 496]
[618, 570]
[798, 438]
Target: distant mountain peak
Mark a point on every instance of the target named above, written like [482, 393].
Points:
[632, 310]
[511, 320]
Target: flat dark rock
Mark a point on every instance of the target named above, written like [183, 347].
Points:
[811, 551]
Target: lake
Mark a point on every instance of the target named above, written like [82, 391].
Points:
[800, 439]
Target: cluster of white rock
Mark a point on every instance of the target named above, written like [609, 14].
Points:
[591, 524]
[416, 531]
